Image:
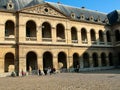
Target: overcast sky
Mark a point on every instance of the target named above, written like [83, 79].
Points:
[105, 6]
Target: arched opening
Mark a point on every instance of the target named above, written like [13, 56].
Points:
[62, 60]
[47, 60]
[9, 63]
[101, 37]
[31, 30]
[108, 35]
[75, 60]
[84, 36]
[46, 32]
[74, 35]
[117, 35]
[118, 59]
[110, 57]
[103, 59]
[9, 29]
[31, 62]
[86, 60]
[95, 60]
[93, 36]
[60, 33]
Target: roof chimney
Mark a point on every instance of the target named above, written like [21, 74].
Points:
[83, 7]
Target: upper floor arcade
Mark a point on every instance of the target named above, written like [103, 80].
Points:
[50, 32]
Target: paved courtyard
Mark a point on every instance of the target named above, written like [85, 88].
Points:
[101, 80]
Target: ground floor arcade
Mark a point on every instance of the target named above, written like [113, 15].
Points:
[62, 58]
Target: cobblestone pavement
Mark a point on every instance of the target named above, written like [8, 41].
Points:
[102, 80]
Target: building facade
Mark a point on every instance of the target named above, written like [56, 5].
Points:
[37, 35]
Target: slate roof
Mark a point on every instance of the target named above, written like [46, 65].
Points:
[114, 16]
[66, 10]
[19, 4]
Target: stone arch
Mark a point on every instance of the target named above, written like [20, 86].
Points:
[47, 60]
[74, 36]
[84, 36]
[93, 35]
[117, 35]
[62, 60]
[103, 59]
[31, 29]
[9, 62]
[110, 57]
[9, 28]
[86, 62]
[108, 35]
[46, 30]
[31, 61]
[60, 32]
[101, 36]
[76, 60]
[95, 59]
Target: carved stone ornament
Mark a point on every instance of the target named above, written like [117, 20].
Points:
[44, 9]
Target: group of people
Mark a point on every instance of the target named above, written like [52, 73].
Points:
[46, 71]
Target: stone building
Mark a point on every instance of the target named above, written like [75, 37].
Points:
[37, 34]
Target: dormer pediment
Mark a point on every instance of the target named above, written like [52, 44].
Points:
[43, 9]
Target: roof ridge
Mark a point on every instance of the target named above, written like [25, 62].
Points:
[77, 7]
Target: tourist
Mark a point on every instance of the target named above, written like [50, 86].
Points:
[39, 72]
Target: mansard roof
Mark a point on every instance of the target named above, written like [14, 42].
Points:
[19, 4]
[114, 16]
[68, 10]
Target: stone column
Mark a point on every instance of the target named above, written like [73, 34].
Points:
[97, 38]
[105, 38]
[88, 38]
[55, 62]
[99, 62]
[91, 62]
[68, 36]
[22, 33]
[79, 37]
[39, 34]
[107, 61]
[22, 64]
[40, 63]
[2, 66]
[54, 38]
[81, 63]
[2, 32]
[70, 63]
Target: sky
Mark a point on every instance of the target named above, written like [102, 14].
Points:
[105, 6]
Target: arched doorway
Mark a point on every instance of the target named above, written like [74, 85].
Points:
[75, 60]
[86, 60]
[62, 60]
[9, 62]
[31, 61]
[47, 60]
[110, 56]
[95, 60]
[103, 59]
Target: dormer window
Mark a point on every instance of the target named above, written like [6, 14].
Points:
[106, 21]
[91, 18]
[82, 17]
[98, 19]
[72, 15]
[10, 5]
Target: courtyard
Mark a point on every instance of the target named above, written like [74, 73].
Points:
[97, 80]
